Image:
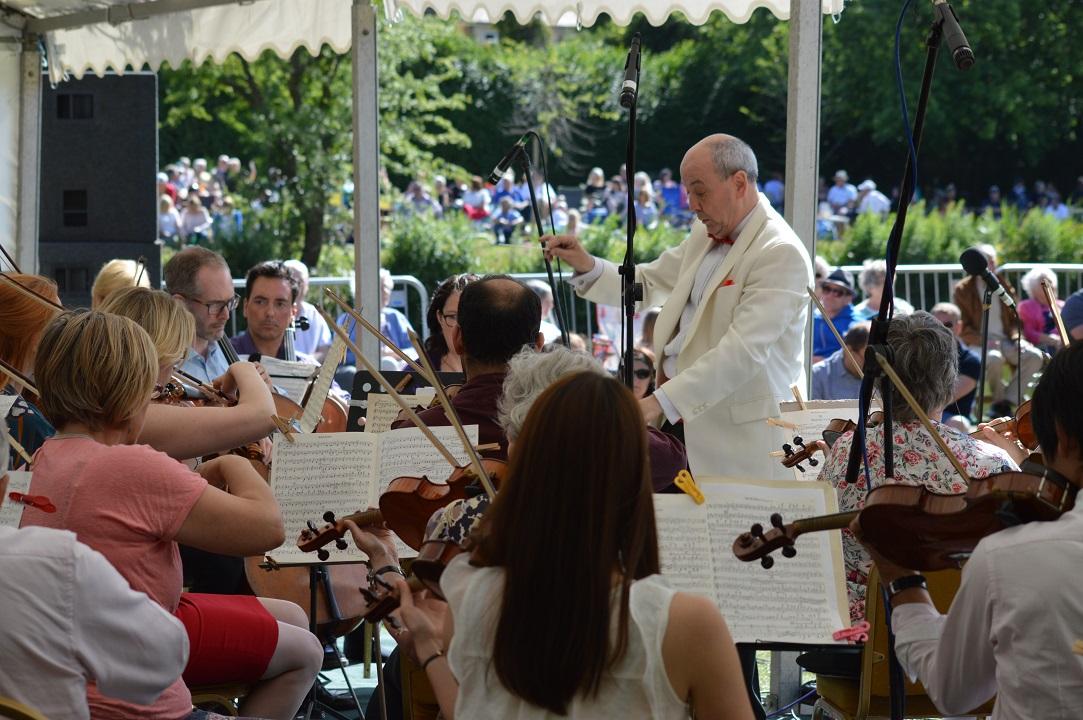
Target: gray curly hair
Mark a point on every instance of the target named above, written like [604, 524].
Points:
[926, 359]
[529, 374]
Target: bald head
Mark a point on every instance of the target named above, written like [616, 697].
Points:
[498, 315]
[719, 173]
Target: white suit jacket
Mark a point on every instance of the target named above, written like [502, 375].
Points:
[745, 346]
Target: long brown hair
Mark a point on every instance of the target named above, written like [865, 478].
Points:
[574, 513]
[23, 318]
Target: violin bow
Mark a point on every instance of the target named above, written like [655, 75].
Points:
[389, 387]
[210, 391]
[905, 392]
[835, 330]
[1051, 298]
[356, 315]
[19, 449]
[141, 261]
[453, 416]
[11, 261]
[17, 378]
[36, 295]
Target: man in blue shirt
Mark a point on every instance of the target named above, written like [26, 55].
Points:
[200, 278]
[836, 295]
[837, 377]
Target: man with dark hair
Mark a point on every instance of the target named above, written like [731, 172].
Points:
[270, 292]
[498, 316]
[838, 376]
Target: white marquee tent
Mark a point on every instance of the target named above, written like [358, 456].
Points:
[78, 36]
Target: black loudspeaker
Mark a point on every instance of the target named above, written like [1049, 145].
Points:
[99, 161]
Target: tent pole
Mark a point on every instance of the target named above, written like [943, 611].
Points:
[803, 133]
[30, 87]
[366, 172]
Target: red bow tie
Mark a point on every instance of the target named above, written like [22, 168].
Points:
[727, 240]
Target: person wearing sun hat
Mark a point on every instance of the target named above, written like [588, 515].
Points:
[837, 295]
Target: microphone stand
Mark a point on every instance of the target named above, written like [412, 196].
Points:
[986, 304]
[527, 167]
[631, 292]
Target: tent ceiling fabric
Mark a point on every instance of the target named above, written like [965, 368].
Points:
[284, 25]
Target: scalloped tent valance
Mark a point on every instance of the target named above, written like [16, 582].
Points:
[96, 35]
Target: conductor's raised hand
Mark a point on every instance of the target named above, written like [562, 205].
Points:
[570, 250]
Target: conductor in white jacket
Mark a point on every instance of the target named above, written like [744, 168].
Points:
[734, 309]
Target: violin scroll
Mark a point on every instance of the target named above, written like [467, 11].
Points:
[314, 538]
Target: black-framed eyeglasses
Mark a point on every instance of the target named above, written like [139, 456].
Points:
[216, 307]
[642, 373]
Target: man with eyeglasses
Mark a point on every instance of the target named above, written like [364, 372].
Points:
[836, 295]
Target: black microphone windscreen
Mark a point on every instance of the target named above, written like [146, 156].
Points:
[973, 261]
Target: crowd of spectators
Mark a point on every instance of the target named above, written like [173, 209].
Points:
[196, 203]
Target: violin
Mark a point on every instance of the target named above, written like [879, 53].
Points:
[409, 502]
[834, 430]
[313, 539]
[1020, 426]
[922, 530]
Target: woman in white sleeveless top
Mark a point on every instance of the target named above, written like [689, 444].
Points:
[559, 610]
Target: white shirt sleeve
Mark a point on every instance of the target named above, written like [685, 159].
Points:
[668, 407]
[131, 647]
[581, 282]
[952, 655]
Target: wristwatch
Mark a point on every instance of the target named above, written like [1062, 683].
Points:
[906, 582]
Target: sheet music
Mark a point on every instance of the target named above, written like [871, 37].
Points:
[811, 423]
[382, 411]
[407, 451]
[293, 377]
[11, 513]
[799, 600]
[310, 416]
[6, 402]
[320, 472]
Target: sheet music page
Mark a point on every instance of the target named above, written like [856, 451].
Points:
[382, 411]
[684, 544]
[407, 451]
[310, 416]
[320, 472]
[11, 513]
[800, 599]
[811, 422]
[6, 401]
[292, 377]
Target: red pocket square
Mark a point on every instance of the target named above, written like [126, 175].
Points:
[727, 282]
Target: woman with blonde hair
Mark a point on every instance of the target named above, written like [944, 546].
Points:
[190, 432]
[96, 374]
[117, 274]
[23, 317]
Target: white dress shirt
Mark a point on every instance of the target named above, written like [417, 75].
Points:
[67, 618]
[1010, 629]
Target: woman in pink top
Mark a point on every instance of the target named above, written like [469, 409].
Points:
[1039, 325]
[96, 374]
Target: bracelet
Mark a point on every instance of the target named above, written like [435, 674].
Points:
[906, 582]
[373, 574]
[435, 655]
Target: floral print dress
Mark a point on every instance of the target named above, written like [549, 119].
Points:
[918, 461]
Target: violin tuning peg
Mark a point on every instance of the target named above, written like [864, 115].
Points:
[312, 526]
[341, 544]
[800, 469]
[767, 561]
[798, 440]
[323, 555]
[329, 517]
[787, 448]
[789, 551]
[776, 520]
[813, 462]
[756, 530]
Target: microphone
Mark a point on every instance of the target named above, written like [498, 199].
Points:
[961, 54]
[975, 263]
[630, 89]
[509, 157]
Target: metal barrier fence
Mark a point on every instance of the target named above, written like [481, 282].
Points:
[921, 285]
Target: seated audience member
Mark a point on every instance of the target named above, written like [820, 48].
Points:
[1039, 325]
[838, 377]
[22, 320]
[643, 373]
[568, 632]
[498, 316]
[195, 220]
[869, 199]
[549, 330]
[505, 220]
[926, 361]
[477, 200]
[1011, 626]
[646, 336]
[117, 274]
[442, 316]
[1003, 331]
[168, 219]
[530, 373]
[317, 338]
[96, 374]
[1072, 315]
[871, 280]
[68, 617]
[962, 400]
[393, 325]
[836, 294]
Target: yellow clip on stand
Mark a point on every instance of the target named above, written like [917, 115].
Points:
[685, 482]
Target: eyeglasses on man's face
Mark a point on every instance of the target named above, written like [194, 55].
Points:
[216, 307]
